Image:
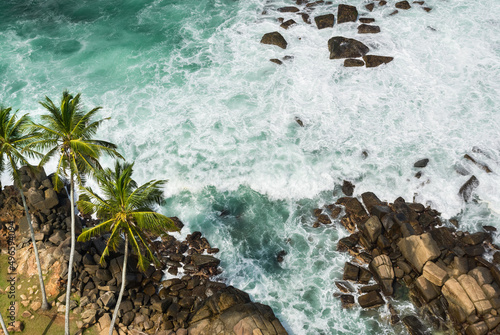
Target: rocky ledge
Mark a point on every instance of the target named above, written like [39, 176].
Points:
[188, 302]
[452, 275]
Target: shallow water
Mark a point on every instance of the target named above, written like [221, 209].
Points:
[193, 98]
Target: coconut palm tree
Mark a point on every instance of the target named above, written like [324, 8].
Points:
[14, 137]
[4, 327]
[126, 213]
[68, 131]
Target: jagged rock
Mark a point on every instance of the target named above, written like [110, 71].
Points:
[427, 290]
[370, 6]
[274, 38]
[418, 249]
[305, 18]
[341, 47]
[374, 61]
[344, 286]
[372, 299]
[381, 267]
[204, 260]
[368, 29]
[351, 272]
[347, 300]
[482, 275]
[434, 273]
[370, 199]
[352, 62]
[414, 326]
[467, 188]
[108, 299]
[372, 229]
[347, 13]
[475, 238]
[324, 21]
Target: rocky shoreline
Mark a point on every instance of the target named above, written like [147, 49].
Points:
[188, 302]
[452, 276]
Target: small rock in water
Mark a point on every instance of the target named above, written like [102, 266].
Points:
[382, 3]
[281, 256]
[287, 57]
[341, 47]
[370, 6]
[287, 24]
[347, 13]
[394, 13]
[368, 29]
[418, 174]
[324, 21]
[480, 165]
[347, 300]
[427, 9]
[366, 20]
[299, 121]
[364, 154]
[421, 163]
[274, 38]
[468, 187]
[419, 2]
[276, 61]
[288, 9]
[348, 188]
[306, 18]
[403, 5]
[374, 61]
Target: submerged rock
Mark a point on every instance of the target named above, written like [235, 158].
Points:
[467, 188]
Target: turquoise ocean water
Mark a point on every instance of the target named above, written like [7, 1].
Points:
[193, 98]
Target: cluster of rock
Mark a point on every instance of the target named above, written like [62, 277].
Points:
[187, 302]
[406, 243]
[340, 47]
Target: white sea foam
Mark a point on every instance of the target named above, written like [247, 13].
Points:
[193, 98]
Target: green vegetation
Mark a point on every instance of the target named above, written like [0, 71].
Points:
[125, 211]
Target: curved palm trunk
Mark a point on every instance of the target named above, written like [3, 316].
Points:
[45, 303]
[71, 254]
[122, 288]
[3, 325]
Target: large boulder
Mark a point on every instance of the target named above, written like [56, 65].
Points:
[347, 13]
[455, 294]
[381, 267]
[435, 274]
[342, 47]
[372, 229]
[475, 294]
[274, 38]
[418, 249]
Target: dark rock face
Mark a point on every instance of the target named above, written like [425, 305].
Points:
[370, 6]
[288, 9]
[421, 163]
[372, 299]
[414, 326]
[368, 29]
[374, 61]
[366, 20]
[324, 21]
[403, 5]
[276, 61]
[274, 38]
[347, 186]
[347, 13]
[467, 188]
[352, 62]
[342, 47]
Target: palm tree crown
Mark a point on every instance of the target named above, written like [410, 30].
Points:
[126, 209]
[69, 131]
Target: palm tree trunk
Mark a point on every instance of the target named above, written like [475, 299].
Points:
[3, 325]
[45, 303]
[71, 254]
[122, 288]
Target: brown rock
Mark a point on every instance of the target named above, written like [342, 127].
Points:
[482, 275]
[347, 186]
[372, 299]
[381, 267]
[414, 326]
[403, 5]
[347, 13]
[341, 47]
[370, 6]
[274, 38]
[455, 293]
[467, 188]
[372, 229]
[306, 18]
[351, 272]
[366, 20]
[324, 21]
[374, 61]
[475, 294]
[479, 328]
[276, 61]
[428, 291]
[347, 300]
[368, 29]
[434, 273]
[352, 62]
[287, 24]
[418, 249]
